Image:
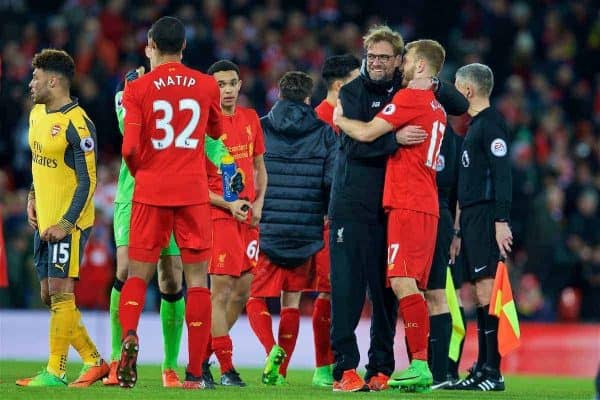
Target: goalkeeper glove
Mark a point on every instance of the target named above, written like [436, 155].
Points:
[131, 75]
[237, 181]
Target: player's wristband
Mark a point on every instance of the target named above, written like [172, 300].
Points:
[66, 225]
[457, 233]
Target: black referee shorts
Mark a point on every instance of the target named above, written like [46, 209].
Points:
[479, 246]
[445, 232]
[458, 270]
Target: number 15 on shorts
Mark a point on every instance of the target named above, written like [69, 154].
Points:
[60, 253]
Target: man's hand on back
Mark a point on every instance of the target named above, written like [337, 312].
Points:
[410, 135]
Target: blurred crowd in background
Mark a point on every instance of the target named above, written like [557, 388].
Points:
[547, 86]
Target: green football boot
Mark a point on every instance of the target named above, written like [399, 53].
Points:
[280, 380]
[274, 360]
[43, 379]
[416, 378]
[323, 376]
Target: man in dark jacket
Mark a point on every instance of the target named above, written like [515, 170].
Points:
[299, 157]
[357, 239]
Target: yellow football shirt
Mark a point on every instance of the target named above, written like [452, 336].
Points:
[63, 165]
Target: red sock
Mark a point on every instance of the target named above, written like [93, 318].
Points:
[289, 324]
[260, 322]
[131, 304]
[321, 320]
[223, 348]
[416, 325]
[197, 318]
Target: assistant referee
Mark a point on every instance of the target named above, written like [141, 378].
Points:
[484, 196]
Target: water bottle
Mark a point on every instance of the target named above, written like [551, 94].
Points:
[228, 170]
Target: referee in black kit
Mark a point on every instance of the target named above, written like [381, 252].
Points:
[484, 197]
[440, 320]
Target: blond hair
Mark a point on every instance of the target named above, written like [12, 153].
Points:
[430, 50]
[383, 33]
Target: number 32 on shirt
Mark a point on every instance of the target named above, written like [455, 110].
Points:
[182, 139]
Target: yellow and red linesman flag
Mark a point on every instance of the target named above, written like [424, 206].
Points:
[502, 306]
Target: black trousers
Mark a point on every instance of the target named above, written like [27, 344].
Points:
[358, 266]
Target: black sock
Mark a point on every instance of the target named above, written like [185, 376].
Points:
[118, 284]
[439, 344]
[491, 338]
[481, 341]
[453, 365]
[171, 298]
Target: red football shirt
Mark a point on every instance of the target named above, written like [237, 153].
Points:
[325, 113]
[167, 113]
[243, 136]
[410, 173]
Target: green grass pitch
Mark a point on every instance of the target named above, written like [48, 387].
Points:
[149, 387]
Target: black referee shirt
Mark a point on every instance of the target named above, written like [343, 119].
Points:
[447, 168]
[484, 173]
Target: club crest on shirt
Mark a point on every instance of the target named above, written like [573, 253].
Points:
[389, 109]
[119, 100]
[340, 235]
[87, 144]
[498, 147]
[55, 129]
[465, 159]
[440, 164]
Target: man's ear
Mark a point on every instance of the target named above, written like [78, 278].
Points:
[337, 85]
[307, 101]
[470, 90]
[398, 60]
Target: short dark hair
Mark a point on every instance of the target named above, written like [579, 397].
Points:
[295, 86]
[339, 67]
[223, 65]
[54, 60]
[169, 35]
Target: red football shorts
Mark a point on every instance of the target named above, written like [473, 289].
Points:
[151, 228]
[235, 247]
[270, 279]
[320, 263]
[411, 244]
